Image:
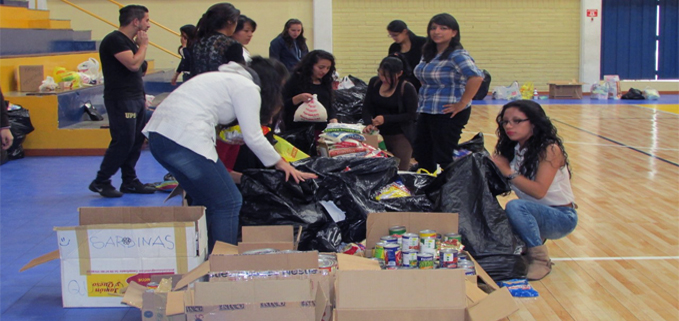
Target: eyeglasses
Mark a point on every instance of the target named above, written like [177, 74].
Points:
[392, 36]
[514, 122]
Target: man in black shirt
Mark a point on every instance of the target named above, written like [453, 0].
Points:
[122, 54]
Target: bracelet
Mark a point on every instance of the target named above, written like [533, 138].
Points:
[512, 176]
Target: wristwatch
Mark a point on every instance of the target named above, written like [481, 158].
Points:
[512, 176]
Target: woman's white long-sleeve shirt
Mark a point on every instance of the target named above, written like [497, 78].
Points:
[188, 116]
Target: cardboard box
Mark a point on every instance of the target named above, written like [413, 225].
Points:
[565, 90]
[279, 237]
[29, 78]
[441, 294]
[114, 246]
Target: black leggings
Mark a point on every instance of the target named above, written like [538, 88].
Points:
[437, 135]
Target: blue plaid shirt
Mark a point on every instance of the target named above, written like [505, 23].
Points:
[443, 80]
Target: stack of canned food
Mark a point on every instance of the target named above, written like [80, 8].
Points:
[425, 250]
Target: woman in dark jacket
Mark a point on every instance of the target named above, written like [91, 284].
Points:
[409, 46]
[390, 105]
[290, 46]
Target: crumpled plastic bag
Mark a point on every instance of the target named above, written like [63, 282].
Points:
[469, 187]
[511, 92]
[311, 111]
[20, 126]
[48, 85]
[599, 91]
[349, 101]
[651, 94]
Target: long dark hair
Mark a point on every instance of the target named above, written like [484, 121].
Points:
[301, 41]
[429, 50]
[544, 135]
[305, 69]
[391, 66]
[216, 18]
[271, 75]
[399, 26]
[190, 32]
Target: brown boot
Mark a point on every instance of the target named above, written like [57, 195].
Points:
[540, 264]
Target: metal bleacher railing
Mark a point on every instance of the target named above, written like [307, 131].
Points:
[116, 26]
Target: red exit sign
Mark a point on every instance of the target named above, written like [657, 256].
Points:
[592, 13]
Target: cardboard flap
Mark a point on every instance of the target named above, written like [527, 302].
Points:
[222, 248]
[193, 275]
[281, 246]
[176, 191]
[474, 294]
[435, 289]
[264, 234]
[378, 224]
[175, 303]
[137, 215]
[351, 262]
[134, 295]
[217, 293]
[497, 305]
[54, 255]
[264, 262]
[321, 302]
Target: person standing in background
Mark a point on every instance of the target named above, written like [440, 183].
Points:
[214, 46]
[390, 104]
[188, 33]
[6, 137]
[122, 54]
[409, 46]
[449, 80]
[244, 30]
[290, 46]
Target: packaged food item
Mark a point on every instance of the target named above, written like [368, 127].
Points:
[519, 288]
[354, 249]
[393, 190]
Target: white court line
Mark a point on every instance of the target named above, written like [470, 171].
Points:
[617, 258]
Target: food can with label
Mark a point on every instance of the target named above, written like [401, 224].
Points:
[467, 266]
[425, 261]
[428, 245]
[392, 255]
[378, 253]
[399, 230]
[260, 251]
[410, 241]
[389, 239]
[448, 258]
[409, 258]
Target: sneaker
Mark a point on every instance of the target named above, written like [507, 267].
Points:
[105, 189]
[137, 187]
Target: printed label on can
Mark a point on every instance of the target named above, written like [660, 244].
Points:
[392, 255]
[409, 258]
[448, 259]
[425, 261]
[410, 241]
[428, 245]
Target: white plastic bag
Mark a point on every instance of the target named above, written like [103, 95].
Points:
[511, 92]
[613, 82]
[311, 111]
[599, 91]
[651, 94]
[346, 83]
[48, 85]
[90, 68]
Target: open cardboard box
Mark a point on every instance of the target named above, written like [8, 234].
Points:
[279, 237]
[565, 89]
[441, 294]
[115, 246]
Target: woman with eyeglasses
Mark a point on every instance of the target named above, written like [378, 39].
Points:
[407, 45]
[532, 157]
[449, 80]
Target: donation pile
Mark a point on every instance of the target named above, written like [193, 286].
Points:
[346, 140]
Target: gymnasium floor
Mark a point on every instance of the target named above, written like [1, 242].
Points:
[621, 262]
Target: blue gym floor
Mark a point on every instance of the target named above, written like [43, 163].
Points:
[39, 193]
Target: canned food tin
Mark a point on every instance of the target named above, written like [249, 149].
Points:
[410, 241]
[462, 256]
[389, 239]
[425, 261]
[378, 253]
[260, 251]
[428, 245]
[448, 258]
[398, 230]
[467, 266]
[392, 255]
[427, 233]
[327, 263]
[409, 258]
[452, 241]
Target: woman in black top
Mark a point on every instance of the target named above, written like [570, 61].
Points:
[187, 32]
[214, 46]
[409, 46]
[390, 105]
[313, 75]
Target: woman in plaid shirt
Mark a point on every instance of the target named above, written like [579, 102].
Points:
[449, 80]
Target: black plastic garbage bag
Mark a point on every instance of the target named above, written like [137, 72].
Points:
[20, 122]
[303, 138]
[483, 224]
[349, 102]
[349, 183]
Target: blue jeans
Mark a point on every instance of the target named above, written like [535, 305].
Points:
[208, 183]
[533, 221]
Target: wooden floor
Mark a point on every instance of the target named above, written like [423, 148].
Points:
[622, 260]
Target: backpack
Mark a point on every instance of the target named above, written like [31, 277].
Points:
[485, 86]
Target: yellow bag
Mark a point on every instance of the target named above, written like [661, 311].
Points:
[527, 90]
[288, 151]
